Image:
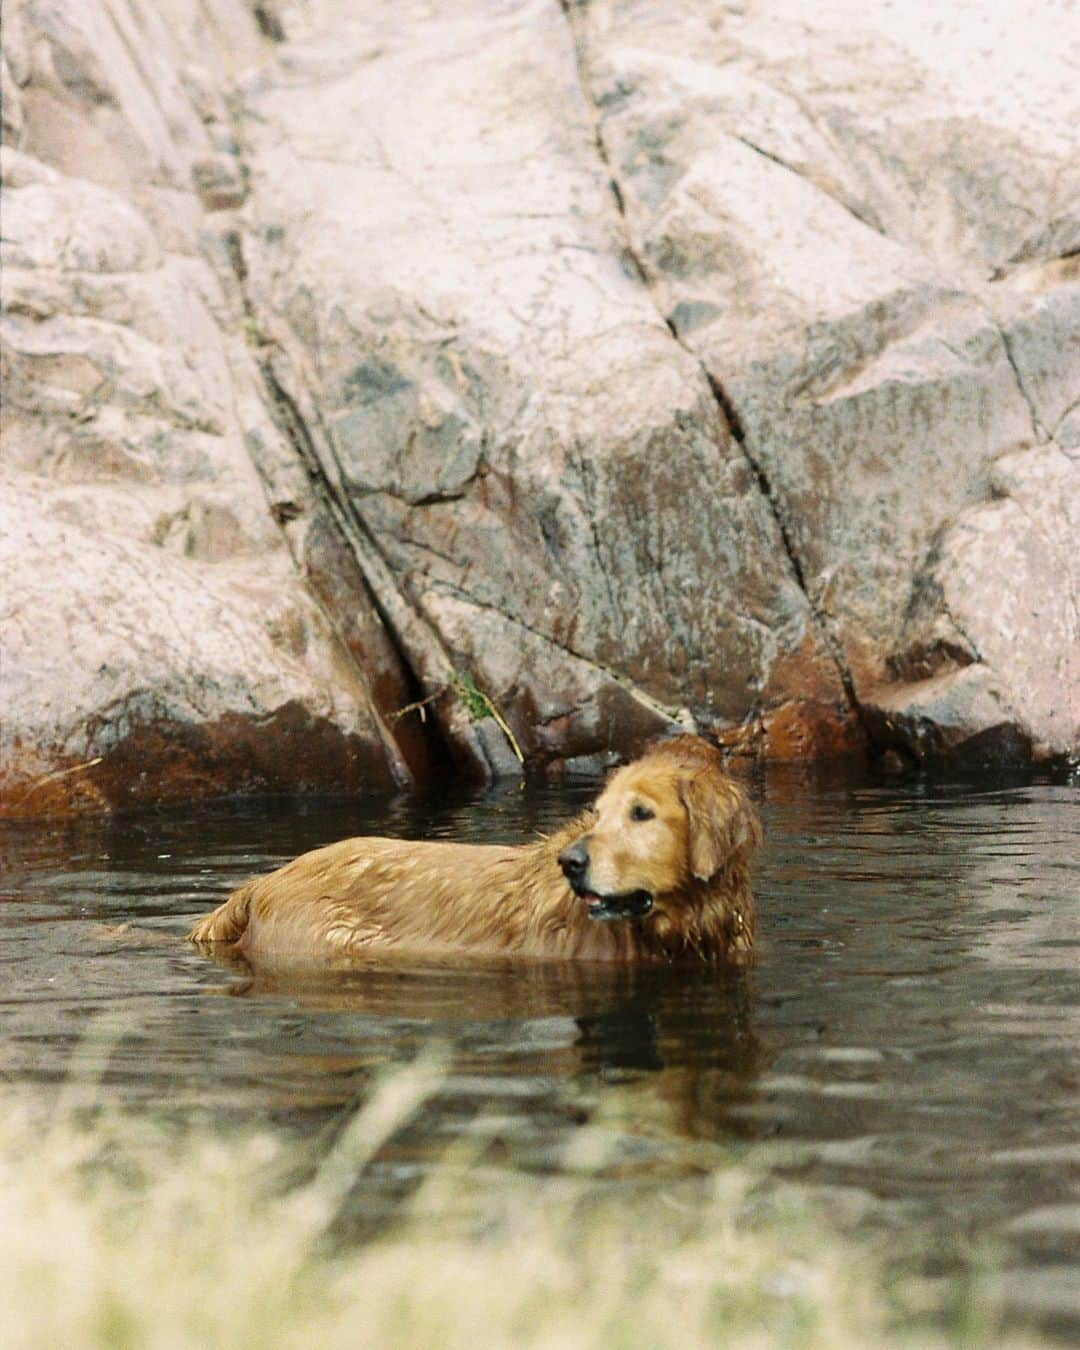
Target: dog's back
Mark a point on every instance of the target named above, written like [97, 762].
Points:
[365, 893]
[366, 896]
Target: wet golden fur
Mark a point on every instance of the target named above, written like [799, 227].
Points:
[366, 896]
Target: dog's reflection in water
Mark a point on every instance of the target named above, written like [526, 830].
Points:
[673, 1045]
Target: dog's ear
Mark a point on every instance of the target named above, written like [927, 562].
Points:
[721, 822]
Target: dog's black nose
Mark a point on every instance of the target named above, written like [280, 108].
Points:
[574, 861]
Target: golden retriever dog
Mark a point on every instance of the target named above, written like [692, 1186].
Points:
[657, 869]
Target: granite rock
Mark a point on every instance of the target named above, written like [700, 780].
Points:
[394, 391]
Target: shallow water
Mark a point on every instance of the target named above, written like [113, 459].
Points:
[905, 1046]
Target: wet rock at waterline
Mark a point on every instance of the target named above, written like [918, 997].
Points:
[550, 373]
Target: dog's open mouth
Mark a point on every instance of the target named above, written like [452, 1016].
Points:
[606, 907]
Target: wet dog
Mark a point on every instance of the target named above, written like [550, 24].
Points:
[657, 869]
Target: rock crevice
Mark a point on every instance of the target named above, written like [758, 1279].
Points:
[729, 414]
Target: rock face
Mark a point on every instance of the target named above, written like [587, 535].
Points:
[161, 637]
[551, 372]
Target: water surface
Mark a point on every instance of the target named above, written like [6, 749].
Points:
[905, 1045]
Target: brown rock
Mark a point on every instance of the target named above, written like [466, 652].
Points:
[959, 718]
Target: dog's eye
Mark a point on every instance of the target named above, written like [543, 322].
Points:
[639, 812]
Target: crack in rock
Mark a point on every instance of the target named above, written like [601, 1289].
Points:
[1040, 433]
[728, 412]
[832, 196]
[678, 715]
[418, 648]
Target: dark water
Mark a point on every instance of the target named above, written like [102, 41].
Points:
[906, 1045]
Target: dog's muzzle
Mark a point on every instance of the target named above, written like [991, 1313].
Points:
[574, 862]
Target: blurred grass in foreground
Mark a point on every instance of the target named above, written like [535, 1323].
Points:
[115, 1232]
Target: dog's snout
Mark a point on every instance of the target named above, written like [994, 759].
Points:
[574, 860]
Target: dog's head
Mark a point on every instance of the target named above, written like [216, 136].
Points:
[662, 824]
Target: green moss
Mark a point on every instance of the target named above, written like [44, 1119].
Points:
[475, 701]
